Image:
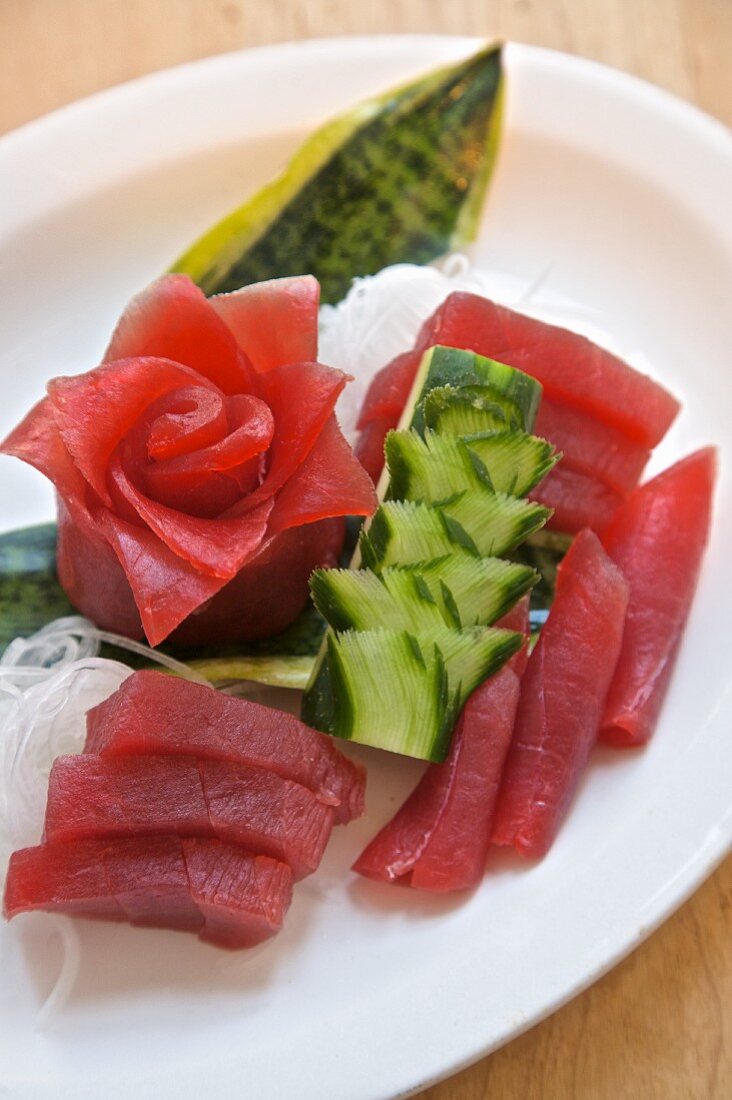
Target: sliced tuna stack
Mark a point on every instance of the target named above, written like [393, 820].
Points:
[604, 416]
[188, 810]
[158, 715]
[228, 896]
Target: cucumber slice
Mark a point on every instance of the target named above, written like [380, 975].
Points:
[482, 522]
[429, 468]
[473, 591]
[317, 702]
[433, 468]
[490, 524]
[394, 692]
[398, 178]
[403, 533]
[458, 591]
[416, 640]
[471, 411]
[515, 461]
[442, 366]
[471, 656]
[357, 599]
[386, 694]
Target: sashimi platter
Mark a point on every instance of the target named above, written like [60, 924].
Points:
[339, 512]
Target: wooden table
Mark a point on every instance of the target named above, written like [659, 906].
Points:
[659, 1025]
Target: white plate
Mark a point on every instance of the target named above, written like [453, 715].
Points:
[622, 194]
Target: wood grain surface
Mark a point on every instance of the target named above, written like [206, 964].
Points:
[658, 1027]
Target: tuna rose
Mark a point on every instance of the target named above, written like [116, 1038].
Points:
[200, 471]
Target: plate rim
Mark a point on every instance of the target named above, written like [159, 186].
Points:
[704, 126]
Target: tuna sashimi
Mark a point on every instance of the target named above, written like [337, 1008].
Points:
[572, 370]
[577, 500]
[518, 619]
[439, 838]
[93, 797]
[563, 692]
[657, 538]
[603, 415]
[451, 808]
[159, 715]
[223, 893]
[387, 395]
[369, 448]
[591, 447]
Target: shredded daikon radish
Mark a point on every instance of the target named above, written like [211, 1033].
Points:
[379, 318]
[47, 683]
[37, 724]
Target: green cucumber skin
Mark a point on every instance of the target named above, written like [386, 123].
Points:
[30, 594]
[432, 468]
[392, 193]
[466, 370]
[456, 421]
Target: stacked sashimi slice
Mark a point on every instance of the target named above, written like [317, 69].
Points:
[187, 810]
[602, 415]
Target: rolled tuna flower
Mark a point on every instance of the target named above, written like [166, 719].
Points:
[200, 472]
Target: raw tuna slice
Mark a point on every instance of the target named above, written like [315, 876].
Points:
[369, 449]
[387, 395]
[572, 370]
[451, 809]
[657, 538]
[518, 619]
[223, 893]
[243, 899]
[103, 797]
[591, 447]
[158, 715]
[562, 696]
[577, 500]
[582, 421]
[439, 838]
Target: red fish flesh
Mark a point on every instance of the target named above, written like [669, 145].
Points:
[578, 500]
[563, 692]
[657, 538]
[94, 797]
[439, 838]
[159, 715]
[229, 897]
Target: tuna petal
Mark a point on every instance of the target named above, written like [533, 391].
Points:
[166, 588]
[173, 319]
[219, 547]
[298, 422]
[112, 397]
[330, 482]
[275, 322]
